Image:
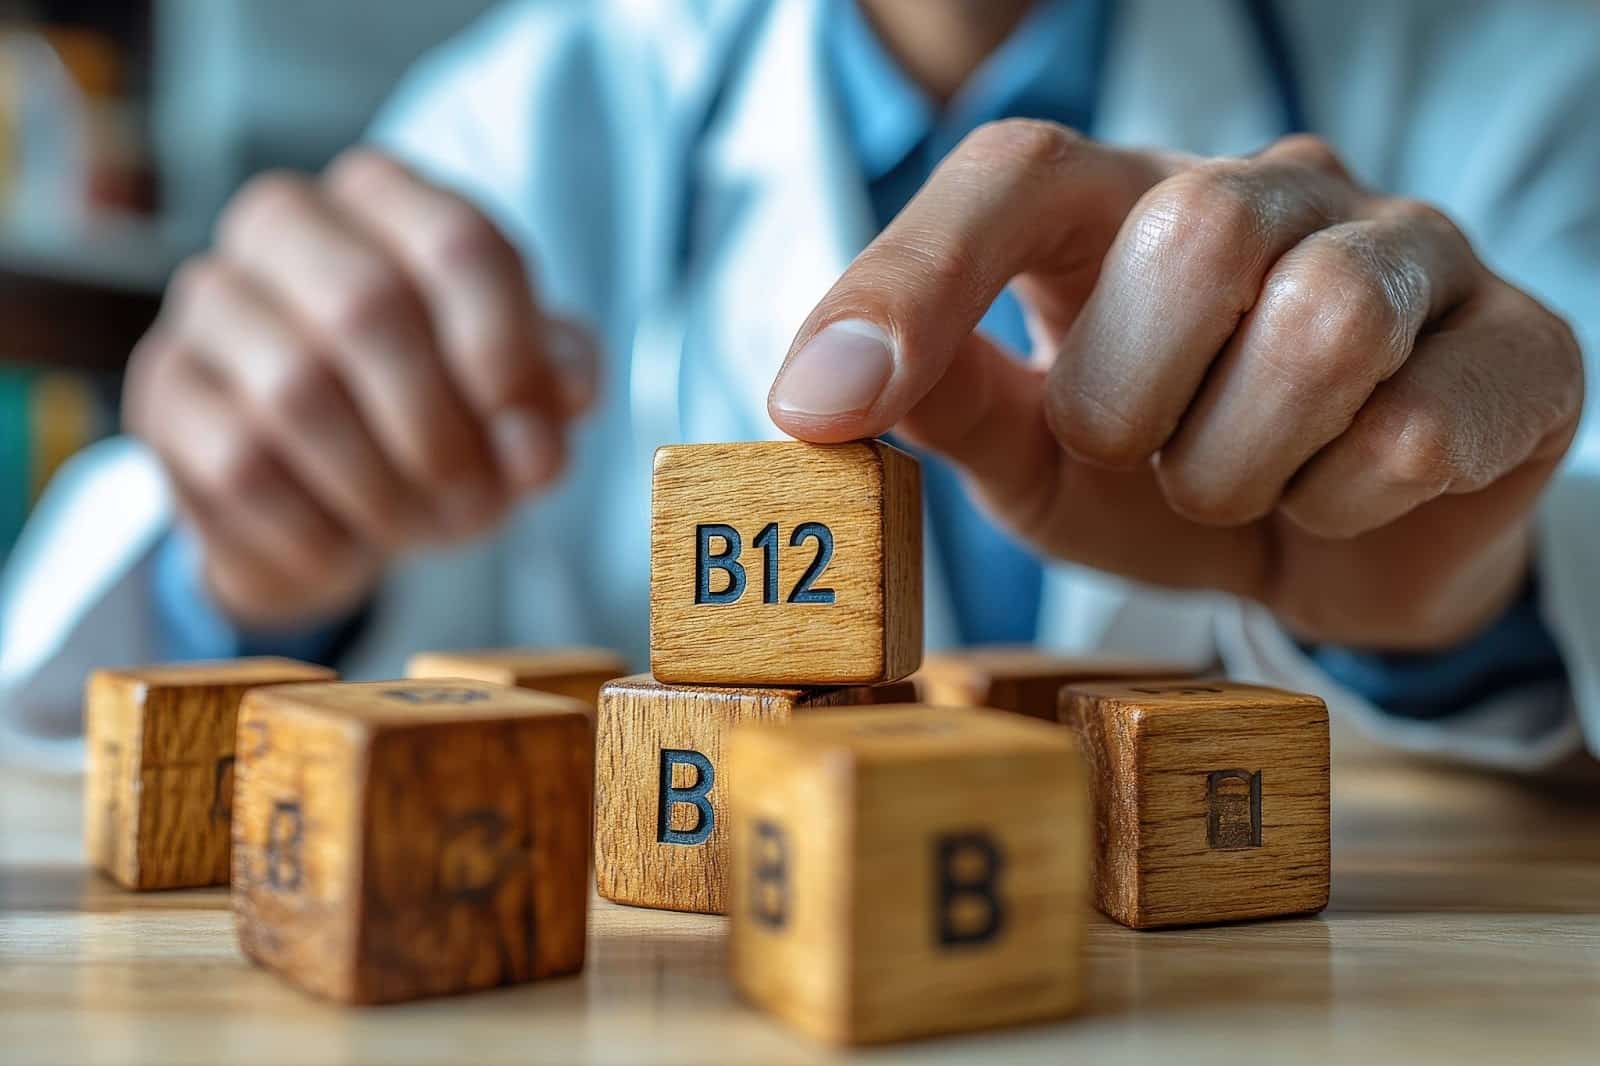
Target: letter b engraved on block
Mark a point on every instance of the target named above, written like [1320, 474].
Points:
[286, 830]
[1233, 810]
[966, 869]
[473, 855]
[693, 795]
[769, 896]
[726, 560]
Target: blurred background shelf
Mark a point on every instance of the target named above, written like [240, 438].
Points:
[81, 302]
[125, 125]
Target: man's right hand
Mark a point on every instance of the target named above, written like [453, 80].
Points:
[359, 366]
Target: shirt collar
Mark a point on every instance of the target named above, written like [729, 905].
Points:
[1047, 68]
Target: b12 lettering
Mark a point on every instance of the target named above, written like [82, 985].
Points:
[718, 547]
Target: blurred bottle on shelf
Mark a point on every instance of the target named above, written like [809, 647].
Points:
[72, 147]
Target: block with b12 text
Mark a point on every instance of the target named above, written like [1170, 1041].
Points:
[660, 803]
[402, 839]
[1211, 799]
[901, 872]
[781, 563]
[160, 766]
[575, 672]
[1023, 679]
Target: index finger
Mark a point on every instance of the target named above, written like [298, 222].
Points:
[1016, 197]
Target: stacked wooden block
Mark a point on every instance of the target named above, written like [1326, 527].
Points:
[889, 869]
[896, 859]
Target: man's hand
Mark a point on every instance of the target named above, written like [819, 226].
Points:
[1251, 375]
[357, 367]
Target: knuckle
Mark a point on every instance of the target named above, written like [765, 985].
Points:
[297, 394]
[1204, 223]
[1329, 326]
[200, 279]
[372, 294]
[266, 199]
[1421, 456]
[1020, 142]
[464, 237]
[361, 168]
[1208, 206]
[241, 465]
[1312, 150]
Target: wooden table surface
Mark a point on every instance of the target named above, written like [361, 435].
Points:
[1463, 929]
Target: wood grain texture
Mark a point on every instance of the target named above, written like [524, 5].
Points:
[905, 871]
[1463, 931]
[868, 496]
[575, 672]
[160, 744]
[1211, 800]
[640, 719]
[1023, 679]
[403, 839]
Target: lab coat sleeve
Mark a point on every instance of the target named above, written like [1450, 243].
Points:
[75, 595]
[1517, 169]
[519, 112]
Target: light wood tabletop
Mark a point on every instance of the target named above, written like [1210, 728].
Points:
[1464, 928]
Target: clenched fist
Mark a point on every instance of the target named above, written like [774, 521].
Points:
[359, 366]
[1251, 375]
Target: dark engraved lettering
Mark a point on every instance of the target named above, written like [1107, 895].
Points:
[222, 790]
[1233, 809]
[727, 560]
[285, 835]
[966, 869]
[769, 874]
[439, 694]
[475, 851]
[694, 796]
[1177, 690]
[803, 592]
[767, 541]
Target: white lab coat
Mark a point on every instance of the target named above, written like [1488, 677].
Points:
[570, 122]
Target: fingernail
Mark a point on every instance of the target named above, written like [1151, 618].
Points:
[526, 447]
[841, 370]
[574, 356]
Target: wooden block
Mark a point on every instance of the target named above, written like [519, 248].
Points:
[575, 672]
[412, 838]
[783, 563]
[905, 871]
[1024, 679]
[159, 782]
[1211, 799]
[659, 839]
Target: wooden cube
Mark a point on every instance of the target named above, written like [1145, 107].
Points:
[412, 838]
[905, 871]
[1211, 799]
[159, 783]
[659, 837]
[783, 563]
[1024, 679]
[575, 672]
